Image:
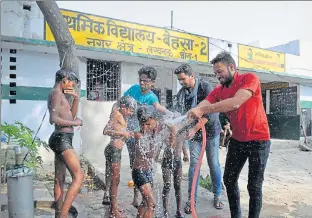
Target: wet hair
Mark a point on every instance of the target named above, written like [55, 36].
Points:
[184, 68]
[225, 58]
[128, 101]
[146, 112]
[149, 71]
[70, 75]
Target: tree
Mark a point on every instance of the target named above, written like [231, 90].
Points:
[64, 41]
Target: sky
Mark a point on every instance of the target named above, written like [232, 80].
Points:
[270, 23]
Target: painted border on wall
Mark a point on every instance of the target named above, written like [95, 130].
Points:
[29, 93]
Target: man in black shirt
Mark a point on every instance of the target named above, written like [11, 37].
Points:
[194, 91]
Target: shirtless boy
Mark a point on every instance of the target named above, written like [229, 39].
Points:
[63, 116]
[146, 150]
[116, 128]
[172, 164]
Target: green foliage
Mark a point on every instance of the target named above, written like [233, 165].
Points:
[24, 137]
[206, 182]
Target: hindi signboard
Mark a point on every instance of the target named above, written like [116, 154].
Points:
[106, 33]
[260, 59]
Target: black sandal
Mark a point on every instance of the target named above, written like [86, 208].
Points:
[187, 208]
[217, 202]
[106, 200]
[73, 211]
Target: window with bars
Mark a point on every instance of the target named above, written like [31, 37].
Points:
[103, 80]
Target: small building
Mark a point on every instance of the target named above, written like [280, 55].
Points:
[110, 54]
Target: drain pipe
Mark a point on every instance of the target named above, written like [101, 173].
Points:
[20, 188]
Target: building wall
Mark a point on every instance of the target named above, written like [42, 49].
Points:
[300, 65]
[129, 76]
[16, 21]
[305, 93]
[35, 73]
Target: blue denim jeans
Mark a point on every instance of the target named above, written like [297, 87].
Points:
[212, 155]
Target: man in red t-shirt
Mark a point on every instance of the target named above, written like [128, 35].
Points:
[239, 97]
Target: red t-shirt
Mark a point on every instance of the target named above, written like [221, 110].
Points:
[249, 122]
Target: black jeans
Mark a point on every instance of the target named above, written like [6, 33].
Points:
[257, 153]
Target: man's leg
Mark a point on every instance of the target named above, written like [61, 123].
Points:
[60, 172]
[235, 160]
[257, 164]
[166, 189]
[195, 149]
[212, 154]
[73, 165]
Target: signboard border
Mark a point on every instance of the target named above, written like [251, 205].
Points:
[239, 57]
[137, 54]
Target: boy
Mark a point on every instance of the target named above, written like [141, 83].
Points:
[116, 128]
[144, 95]
[147, 144]
[172, 164]
[63, 116]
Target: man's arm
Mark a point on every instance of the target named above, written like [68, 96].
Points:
[54, 110]
[230, 104]
[161, 108]
[198, 124]
[247, 88]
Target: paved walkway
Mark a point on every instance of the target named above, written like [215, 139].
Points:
[204, 207]
[287, 192]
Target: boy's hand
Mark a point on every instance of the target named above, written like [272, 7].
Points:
[128, 135]
[186, 158]
[71, 92]
[191, 133]
[78, 122]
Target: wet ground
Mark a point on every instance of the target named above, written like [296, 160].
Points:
[287, 190]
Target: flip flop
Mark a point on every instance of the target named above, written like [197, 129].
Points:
[73, 211]
[106, 200]
[187, 208]
[217, 202]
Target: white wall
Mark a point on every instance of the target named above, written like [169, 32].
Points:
[305, 93]
[15, 21]
[300, 65]
[35, 70]
[129, 76]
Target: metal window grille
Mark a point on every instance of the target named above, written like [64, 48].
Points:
[103, 80]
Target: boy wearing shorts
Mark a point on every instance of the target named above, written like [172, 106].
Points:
[116, 128]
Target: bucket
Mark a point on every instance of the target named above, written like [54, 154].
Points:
[20, 192]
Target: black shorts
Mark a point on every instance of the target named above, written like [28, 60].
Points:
[169, 162]
[60, 142]
[142, 177]
[112, 154]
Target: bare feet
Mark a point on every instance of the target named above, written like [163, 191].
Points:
[135, 202]
[116, 213]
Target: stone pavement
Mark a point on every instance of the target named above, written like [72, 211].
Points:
[43, 199]
[204, 207]
[285, 159]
